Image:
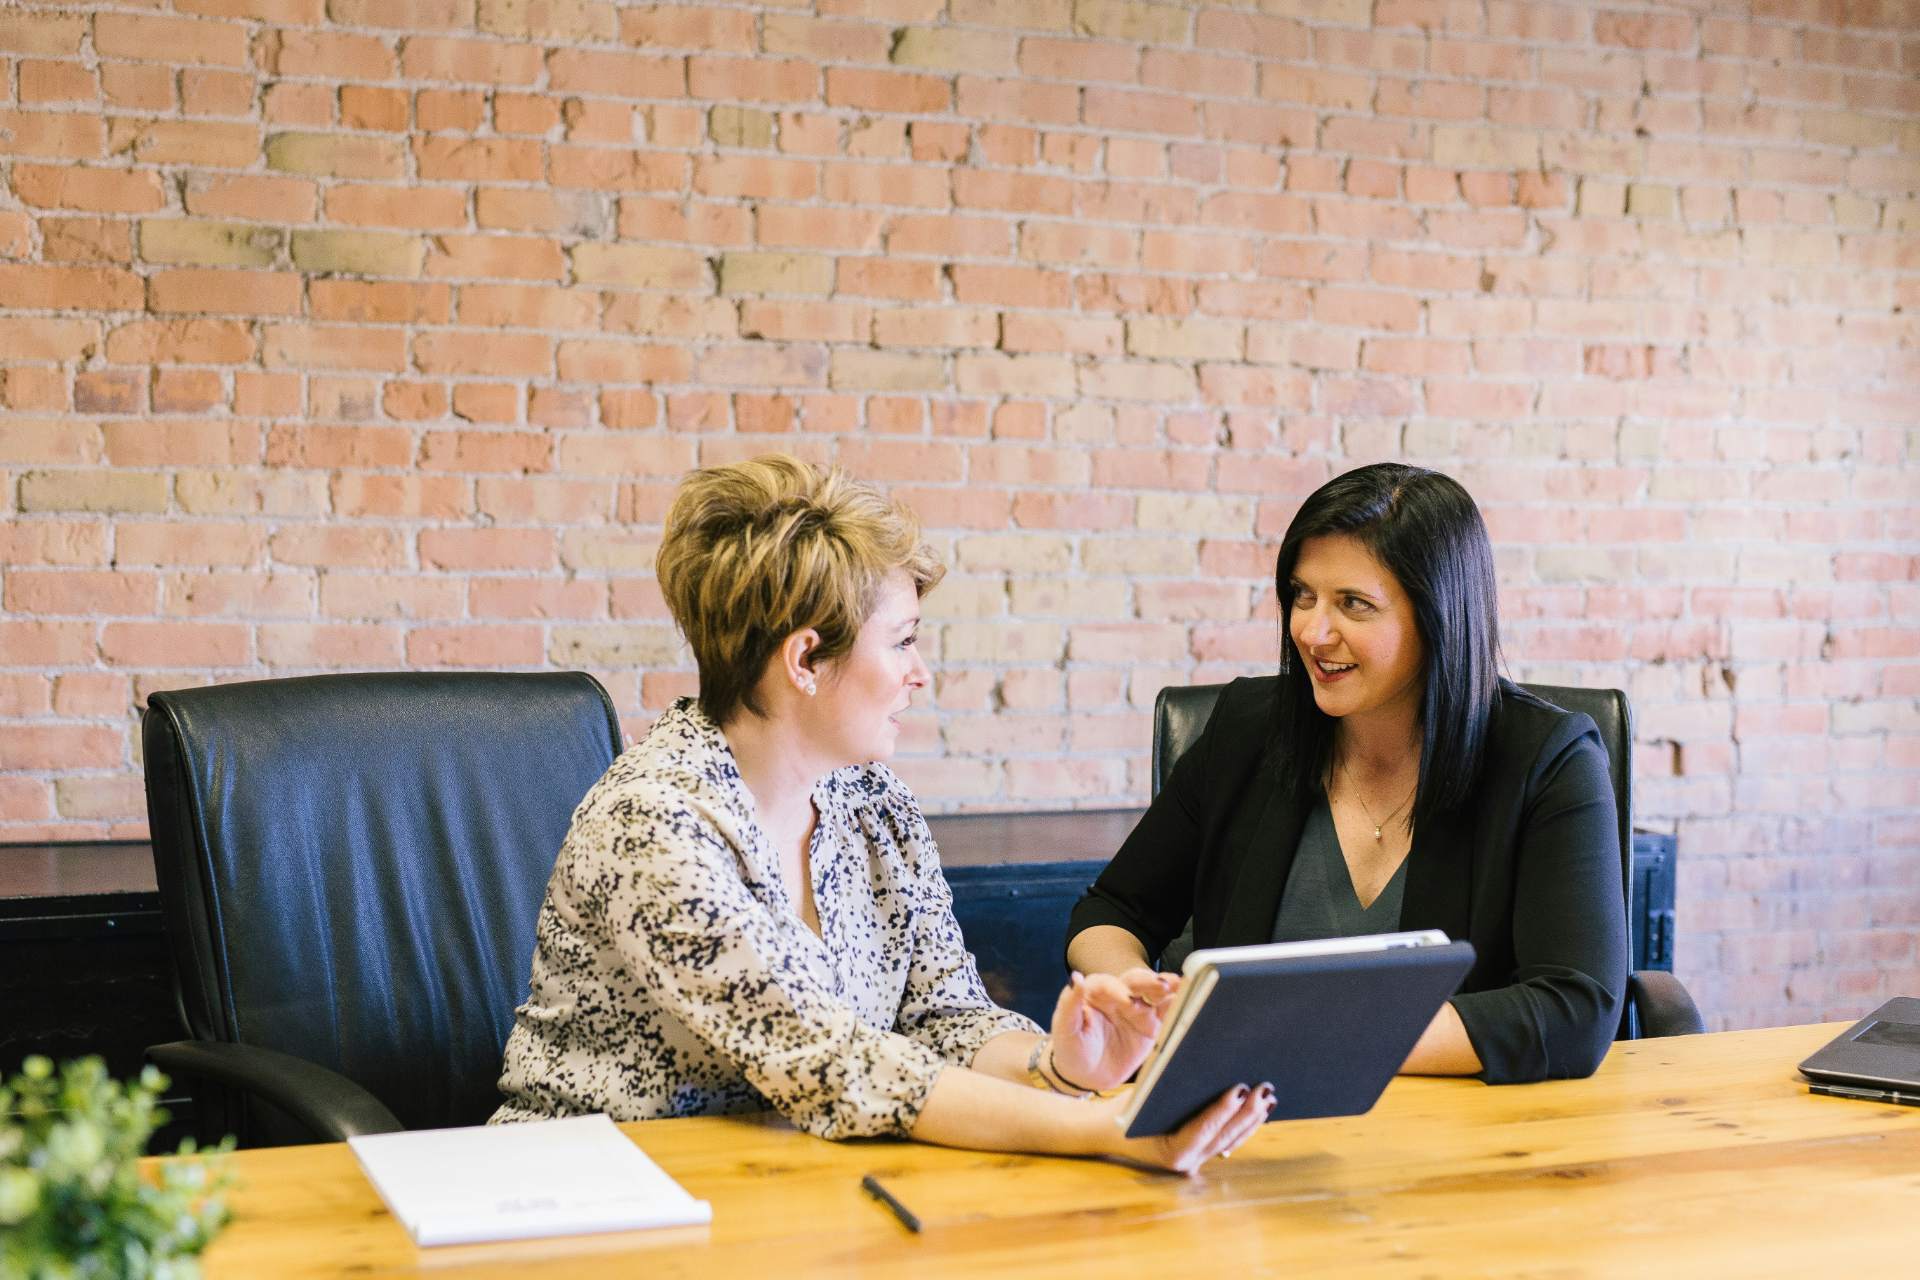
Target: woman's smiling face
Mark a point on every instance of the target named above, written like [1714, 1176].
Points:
[861, 695]
[1353, 625]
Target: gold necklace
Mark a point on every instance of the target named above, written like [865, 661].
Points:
[1362, 802]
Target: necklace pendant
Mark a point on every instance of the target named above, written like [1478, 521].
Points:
[1376, 835]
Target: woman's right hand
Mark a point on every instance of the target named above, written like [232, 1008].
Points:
[1218, 1131]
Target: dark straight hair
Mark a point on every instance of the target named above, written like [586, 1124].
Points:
[1425, 529]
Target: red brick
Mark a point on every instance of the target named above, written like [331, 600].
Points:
[437, 15]
[67, 135]
[370, 107]
[613, 360]
[81, 593]
[356, 494]
[474, 646]
[762, 177]
[887, 278]
[690, 27]
[617, 75]
[490, 598]
[334, 347]
[177, 40]
[181, 342]
[874, 90]
[290, 51]
[819, 321]
[753, 79]
[616, 169]
[86, 240]
[253, 198]
[46, 644]
[478, 159]
[49, 35]
[470, 61]
[469, 549]
[489, 354]
[224, 292]
[337, 547]
[162, 544]
[499, 257]
[877, 184]
[323, 645]
[48, 747]
[187, 390]
[136, 86]
[199, 645]
[1014, 192]
[1644, 30]
[54, 82]
[298, 104]
[372, 596]
[456, 110]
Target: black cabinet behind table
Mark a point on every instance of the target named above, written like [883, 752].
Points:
[84, 966]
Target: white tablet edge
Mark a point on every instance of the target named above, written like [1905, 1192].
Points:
[1317, 947]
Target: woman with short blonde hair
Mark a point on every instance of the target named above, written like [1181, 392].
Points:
[748, 910]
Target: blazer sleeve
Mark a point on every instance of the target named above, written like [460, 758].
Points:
[1557, 1018]
[1147, 889]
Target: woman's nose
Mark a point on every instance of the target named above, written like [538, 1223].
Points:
[1312, 626]
[918, 677]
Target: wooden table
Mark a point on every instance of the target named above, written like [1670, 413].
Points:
[1702, 1156]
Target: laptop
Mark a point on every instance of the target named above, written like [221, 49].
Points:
[1877, 1058]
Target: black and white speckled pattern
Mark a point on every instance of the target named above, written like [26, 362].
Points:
[672, 976]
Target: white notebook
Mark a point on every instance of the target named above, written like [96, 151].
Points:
[514, 1181]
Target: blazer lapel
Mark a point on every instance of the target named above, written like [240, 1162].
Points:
[1267, 830]
[1439, 878]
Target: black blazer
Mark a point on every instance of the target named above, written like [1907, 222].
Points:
[1528, 871]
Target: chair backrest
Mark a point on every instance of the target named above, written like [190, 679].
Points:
[1180, 712]
[350, 866]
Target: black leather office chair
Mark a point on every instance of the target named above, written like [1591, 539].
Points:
[1657, 1003]
[350, 867]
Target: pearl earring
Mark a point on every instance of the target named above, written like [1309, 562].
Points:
[809, 688]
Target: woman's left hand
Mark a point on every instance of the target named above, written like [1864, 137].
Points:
[1104, 1025]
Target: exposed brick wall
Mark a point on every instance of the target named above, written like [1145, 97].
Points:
[360, 334]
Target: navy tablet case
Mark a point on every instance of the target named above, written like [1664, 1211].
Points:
[1329, 1031]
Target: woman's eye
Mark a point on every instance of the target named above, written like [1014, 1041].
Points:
[1356, 605]
[908, 642]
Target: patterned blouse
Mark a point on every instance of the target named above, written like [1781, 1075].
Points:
[673, 976]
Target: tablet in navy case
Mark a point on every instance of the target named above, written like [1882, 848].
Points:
[1328, 1030]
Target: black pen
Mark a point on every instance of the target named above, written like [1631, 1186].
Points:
[871, 1185]
[1867, 1095]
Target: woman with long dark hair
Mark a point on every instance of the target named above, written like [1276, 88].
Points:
[1388, 778]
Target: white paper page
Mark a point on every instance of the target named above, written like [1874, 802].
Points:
[513, 1181]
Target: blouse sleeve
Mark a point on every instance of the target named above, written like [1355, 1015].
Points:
[1557, 1018]
[946, 1006]
[686, 927]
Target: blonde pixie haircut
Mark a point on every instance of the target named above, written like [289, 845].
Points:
[756, 551]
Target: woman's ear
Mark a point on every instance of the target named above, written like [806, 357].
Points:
[796, 660]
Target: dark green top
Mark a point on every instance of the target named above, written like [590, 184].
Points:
[1319, 901]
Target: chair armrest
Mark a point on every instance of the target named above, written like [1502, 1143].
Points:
[332, 1107]
[1664, 1006]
